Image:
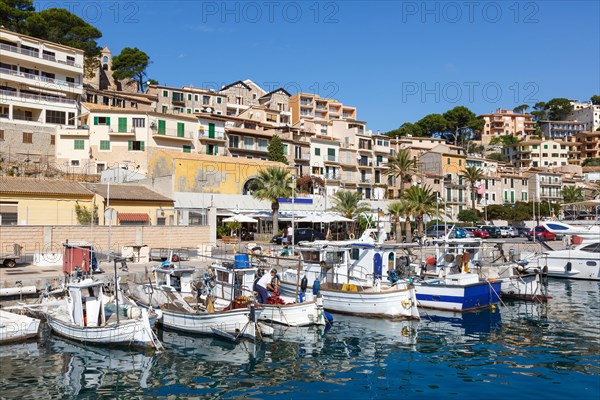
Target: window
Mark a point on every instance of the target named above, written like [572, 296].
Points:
[70, 80]
[545, 146]
[234, 141]
[105, 145]
[219, 100]
[52, 140]
[139, 122]
[206, 100]
[2, 134]
[189, 110]
[211, 130]
[122, 124]
[101, 120]
[162, 127]
[448, 161]
[180, 129]
[187, 149]
[75, 163]
[136, 145]
[189, 97]
[317, 151]
[165, 109]
[248, 142]
[55, 117]
[100, 167]
[263, 144]
[79, 144]
[27, 137]
[71, 120]
[165, 93]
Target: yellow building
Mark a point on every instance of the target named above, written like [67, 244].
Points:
[28, 201]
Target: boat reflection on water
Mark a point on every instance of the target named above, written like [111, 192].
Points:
[462, 325]
[86, 369]
[18, 351]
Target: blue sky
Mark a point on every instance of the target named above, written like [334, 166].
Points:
[395, 61]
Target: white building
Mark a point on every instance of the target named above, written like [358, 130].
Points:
[588, 114]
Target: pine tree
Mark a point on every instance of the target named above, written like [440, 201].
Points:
[276, 150]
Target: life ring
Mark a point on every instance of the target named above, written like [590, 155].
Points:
[351, 236]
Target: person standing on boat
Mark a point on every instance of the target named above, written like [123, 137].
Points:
[261, 287]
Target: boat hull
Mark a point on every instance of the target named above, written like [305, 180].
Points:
[16, 327]
[572, 265]
[136, 333]
[457, 297]
[388, 302]
[297, 314]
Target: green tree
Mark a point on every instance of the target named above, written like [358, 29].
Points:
[559, 108]
[496, 140]
[474, 148]
[422, 201]
[397, 210]
[468, 216]
[595, 100]
[509, 140]
[131, 63]
[14, 13]
[152, 82]
[272, 184]
[472, 175]
[402, 166]
[540, 111]
[84, 215]
[60, 26]
[276, 150]
[591, 162]
[460, 120]
[498, 157]
[407, 129]
[349, 204]
[521, 109]
[432, 123]
[233, 226]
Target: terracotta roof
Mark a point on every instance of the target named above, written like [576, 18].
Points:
[128, 192]
[19, 185]
[133, 217]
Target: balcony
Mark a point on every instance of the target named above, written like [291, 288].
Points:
[332, 176]
[173, 134]
[67, 131]
[40, 78]
[36, 54]
[36, 98]
[303, 156]
[129, 131]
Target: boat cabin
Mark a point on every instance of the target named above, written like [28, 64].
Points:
[453, 256]
[86, 303]
[231, 281]
[180, 279]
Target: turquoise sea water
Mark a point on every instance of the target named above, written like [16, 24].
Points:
[519, 350]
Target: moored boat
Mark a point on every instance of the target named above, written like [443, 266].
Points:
[17, 327]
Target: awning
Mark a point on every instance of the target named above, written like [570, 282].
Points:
[133, 217]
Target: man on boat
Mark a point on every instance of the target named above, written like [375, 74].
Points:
[262, 285]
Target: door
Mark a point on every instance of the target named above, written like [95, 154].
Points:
[377, 266]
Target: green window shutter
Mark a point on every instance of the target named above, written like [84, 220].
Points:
[165, 93]
[216, 151]
[211, 131]
[189, 96]
[189, 110]
[187, 149]
[162, 127]
[130, 145]
[512, 197]
[379, 159]
[459, 194]
[317, 151]
[142, 145]
[122, 124]
[165, 109]
[79, 144]
[95, 120]
[105, 145]
[107, 121]
[219, 100]
[331, 152]
[207, 150]
[180, 129]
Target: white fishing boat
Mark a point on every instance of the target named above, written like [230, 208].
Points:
[581, 260]
[348, 275]
[235, 282]
[16, 327]
[86, 316]
[189, 305]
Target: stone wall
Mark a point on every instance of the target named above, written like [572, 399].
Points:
[49, 239]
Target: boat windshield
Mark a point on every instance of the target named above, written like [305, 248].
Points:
[334, 257]
[310, 256]
[592, 248]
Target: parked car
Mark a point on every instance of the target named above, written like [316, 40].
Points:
[461, 233]
[302, 235]
[479, 233]
[523, 232]
[438, 231]
[504, 231]
[468, 233]
[493, 231]
[542, 233]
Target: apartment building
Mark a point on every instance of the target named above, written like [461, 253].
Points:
[504, 123]
[445, 169]
[538, 153]
[241, 95]
[40, 89]
[114, 137]
[278, 100]
[319, 109]
[584, 145]
[586, 113]
[561, 129]
[118, 99]
[187, 100]
[544, 185]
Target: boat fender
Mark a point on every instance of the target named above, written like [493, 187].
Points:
[134, 312]
[328, 317]
[304, 283]
[569, 266]
[316, 287]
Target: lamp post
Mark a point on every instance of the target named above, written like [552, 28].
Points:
[293, 214]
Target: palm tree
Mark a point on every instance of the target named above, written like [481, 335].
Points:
[271, 184]
[397, 210]
[349, 204]
[421, 202]
[402, 166]
[572, 194]
[472, 175]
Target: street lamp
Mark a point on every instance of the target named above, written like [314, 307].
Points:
[293, 215]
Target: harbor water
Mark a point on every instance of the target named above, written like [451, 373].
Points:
[518, 349]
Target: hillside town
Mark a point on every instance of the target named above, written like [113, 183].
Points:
[193, 148]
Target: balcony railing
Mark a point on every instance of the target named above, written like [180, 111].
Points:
[36, 54]
[40, 78]
[35, 97]
[332, 176]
